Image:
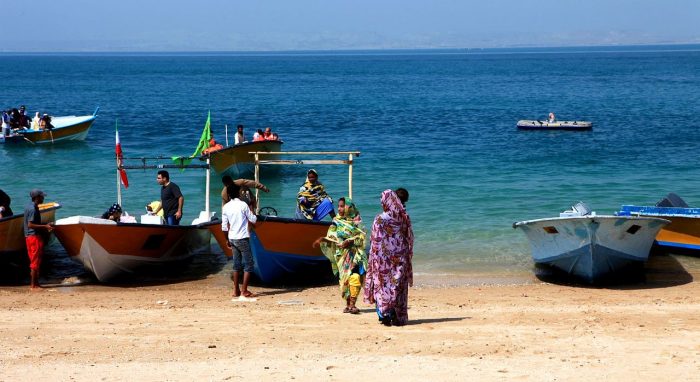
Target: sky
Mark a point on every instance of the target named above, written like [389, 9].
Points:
[281, 25]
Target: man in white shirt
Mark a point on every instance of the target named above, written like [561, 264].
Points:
[235, 217]
[239, 137]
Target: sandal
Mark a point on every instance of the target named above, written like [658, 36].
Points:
[346, 310]
[354, 310]
[248, 294]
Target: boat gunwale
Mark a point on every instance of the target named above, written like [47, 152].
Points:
[604, 217]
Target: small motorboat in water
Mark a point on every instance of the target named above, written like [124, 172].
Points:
[591, 246]
[65, 128]
[556, 125]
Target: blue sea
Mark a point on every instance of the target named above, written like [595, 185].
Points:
[440, 123]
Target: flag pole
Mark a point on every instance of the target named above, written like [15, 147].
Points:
[206, 193]
[119, 187]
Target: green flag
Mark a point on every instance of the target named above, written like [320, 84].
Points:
[201, 146]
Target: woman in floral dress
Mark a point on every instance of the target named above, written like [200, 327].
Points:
[389, 271]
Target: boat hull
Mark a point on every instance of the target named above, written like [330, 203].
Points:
[113, 251]
[236, 161]
[69, 128]
[283, 249]
[12, 243]
[683, 233]
[559, 125]
[591, 247]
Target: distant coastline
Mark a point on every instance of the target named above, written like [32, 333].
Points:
[670, 47]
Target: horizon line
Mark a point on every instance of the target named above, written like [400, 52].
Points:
[359, 50]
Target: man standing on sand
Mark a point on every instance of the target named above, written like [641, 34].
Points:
[235, 217]
[35, 244]
[171, 199]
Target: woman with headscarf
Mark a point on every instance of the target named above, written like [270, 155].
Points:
[390, 272]
[344, 246]
[313, 203]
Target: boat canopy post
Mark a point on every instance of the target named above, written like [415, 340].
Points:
[207, 187]
[226, 129]
[258, 162]
[144, 166]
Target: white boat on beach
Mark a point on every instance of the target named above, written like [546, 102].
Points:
[111, 250]
[590, 246]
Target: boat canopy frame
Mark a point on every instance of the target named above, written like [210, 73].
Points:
[258, 161]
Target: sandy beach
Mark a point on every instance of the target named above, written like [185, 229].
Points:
[193, 331]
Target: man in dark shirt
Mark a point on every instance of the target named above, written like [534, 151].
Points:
[35, 244]
[171, 199]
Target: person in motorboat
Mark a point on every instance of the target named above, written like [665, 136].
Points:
[23, 118]
[552, 117]
[45, 122]
[213, 146]
[258, 136]
[5, 201]
[171, 199]
[239, 137]
[114, 213]
[344, 246]
[313, 203]
[36, 121]
[267, 135]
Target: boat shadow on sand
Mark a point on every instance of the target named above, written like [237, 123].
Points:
[660, 271]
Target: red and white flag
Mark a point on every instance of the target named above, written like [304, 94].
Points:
[122, 172]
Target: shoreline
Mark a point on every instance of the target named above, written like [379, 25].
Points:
[191, 330]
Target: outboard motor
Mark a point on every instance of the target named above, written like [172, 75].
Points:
[672, 200]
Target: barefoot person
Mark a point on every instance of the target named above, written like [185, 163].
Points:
[35, 244]
[235, 217]
[344, 246]
[390, 272]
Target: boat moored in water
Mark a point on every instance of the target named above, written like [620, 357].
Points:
[556, 125]
[236, 160]
[65, 128]
[683, 234]
[590, 246]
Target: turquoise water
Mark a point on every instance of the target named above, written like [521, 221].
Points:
[439, 123]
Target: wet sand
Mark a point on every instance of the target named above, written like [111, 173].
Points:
[542, 330]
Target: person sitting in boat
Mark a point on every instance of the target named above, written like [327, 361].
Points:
[267, 135]
[213, 146]
[36, 121]
[23, 118]
[5, 201]
[154, 206]
[258, 136]
[239, 137]
[275, 137]
[45, 123]
[114, 213]
[15, 120]
[552, 118]
[313, 203]
[5, 123]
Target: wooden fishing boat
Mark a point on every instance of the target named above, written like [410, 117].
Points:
[556, 125]
[12, 244]
[683, 234]
[66, 128]
[113, 250]
[591, 246]
[283, 249]
[236, 160]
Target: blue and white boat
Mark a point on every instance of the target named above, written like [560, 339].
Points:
[683, 234]
[591, 246]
